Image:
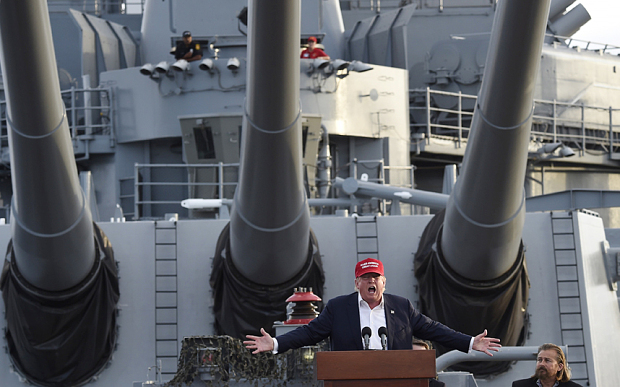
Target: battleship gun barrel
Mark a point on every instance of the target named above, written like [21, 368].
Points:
[51, 222]
[59, 282]
[269, 242]
[485, 213]
[470, 263]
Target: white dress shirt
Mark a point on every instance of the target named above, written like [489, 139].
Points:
[373, 318]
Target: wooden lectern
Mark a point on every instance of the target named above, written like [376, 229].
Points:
[375, 368]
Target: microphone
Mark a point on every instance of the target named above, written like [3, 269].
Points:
[383, 334]
[366, 333]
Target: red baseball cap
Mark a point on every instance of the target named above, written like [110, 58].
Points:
[312, 39]
[368, 265]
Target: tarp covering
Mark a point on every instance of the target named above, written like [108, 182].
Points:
[62, 338]
[470, 307]
[242, 306]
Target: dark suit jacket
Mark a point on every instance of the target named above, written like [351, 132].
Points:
[531, 382]
[435, 383]
[341, 322]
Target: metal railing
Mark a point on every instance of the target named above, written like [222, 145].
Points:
[578, 125]
[558, 40]
[98, 7]
[589, 45]
[378, 5]
[410, 184]
[439, 128]
[384, 177]
[89, 112]
[151, 197]
[148, 191]
[373, 5]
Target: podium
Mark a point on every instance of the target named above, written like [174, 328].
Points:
[375, 368]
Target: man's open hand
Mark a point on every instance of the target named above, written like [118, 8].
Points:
[260, 343]
[486, 344]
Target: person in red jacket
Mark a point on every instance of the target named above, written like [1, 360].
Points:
[313, 52]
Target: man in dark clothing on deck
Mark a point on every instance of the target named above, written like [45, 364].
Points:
[187, 49]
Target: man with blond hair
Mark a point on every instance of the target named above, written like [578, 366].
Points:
[551, 369]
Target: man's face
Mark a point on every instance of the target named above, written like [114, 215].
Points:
[311, 45]
[371, 287]
[546, 365]
[187, 40]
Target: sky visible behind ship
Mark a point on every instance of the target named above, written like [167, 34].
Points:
[603, 28]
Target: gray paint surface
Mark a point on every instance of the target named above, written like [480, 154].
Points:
[89, 48]
[107, 41]
[129, 49]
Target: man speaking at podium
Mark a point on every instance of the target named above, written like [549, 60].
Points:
[353, 321]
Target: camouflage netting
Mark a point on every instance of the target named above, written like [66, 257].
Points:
[62, 338]
[242, 307]
[498, 306]
[218, 360]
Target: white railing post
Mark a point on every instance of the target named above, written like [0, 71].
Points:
[428, 115]
[611, 132]
[583, 129]
[73, 117]
[221, 179]
[555, 137]
[460, 120]
[136, 192]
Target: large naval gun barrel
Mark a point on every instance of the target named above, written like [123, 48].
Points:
[270, 215]
[475, 277]
[270, 248]
[486, 212]
[59, 281]
[51, 223]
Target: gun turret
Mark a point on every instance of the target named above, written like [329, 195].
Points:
[478, 269]
[60, 292]
[270, 247]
